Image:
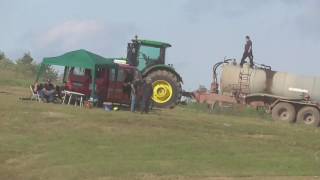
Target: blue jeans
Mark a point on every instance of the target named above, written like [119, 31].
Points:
[133, 103]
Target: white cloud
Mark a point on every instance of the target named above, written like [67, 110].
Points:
[104, 38]
[69, 33]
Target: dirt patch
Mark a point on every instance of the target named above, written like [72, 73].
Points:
[24, 160]
[5, 92]
[56, 115]
[259, 136]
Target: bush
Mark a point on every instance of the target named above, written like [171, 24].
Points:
[5, 63]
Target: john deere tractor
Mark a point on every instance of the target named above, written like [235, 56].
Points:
[149, 58]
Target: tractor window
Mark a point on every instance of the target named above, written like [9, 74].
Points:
[151, 52]
[121, 75]
[148, 56]
[99, 73]
[132, 54]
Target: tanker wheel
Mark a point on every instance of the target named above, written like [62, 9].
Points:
[167, 89]
[309, 116]
[284, 112]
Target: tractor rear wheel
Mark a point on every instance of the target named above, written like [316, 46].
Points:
[284, 112]
[167, 89]
[309, 116]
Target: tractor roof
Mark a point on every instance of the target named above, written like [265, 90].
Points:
[154, 43]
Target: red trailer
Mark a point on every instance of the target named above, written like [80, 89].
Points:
[111, 84]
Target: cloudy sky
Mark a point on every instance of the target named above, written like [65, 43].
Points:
[285, 33]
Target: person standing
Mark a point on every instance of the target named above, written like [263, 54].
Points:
[247, 52]
[134, 90]
[133, 98]
[147, 91]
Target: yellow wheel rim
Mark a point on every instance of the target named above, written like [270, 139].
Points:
[162, 91]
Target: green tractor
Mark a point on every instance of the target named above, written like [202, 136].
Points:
[149, 58]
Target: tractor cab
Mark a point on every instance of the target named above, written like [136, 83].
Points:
[146, 53]
[149, 58]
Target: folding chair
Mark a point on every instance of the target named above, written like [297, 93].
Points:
[34, 95]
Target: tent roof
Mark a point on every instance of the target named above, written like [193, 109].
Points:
[79, 58]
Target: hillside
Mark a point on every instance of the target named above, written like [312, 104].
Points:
[13, 78]
[50, 141]
[22, 72]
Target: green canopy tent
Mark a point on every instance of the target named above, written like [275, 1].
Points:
[82, 59]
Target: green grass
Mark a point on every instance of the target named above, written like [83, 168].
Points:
[235, 110]
[49, 141]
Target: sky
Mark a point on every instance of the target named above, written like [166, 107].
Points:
[285, 33]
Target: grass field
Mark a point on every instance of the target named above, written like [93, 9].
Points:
[57, 142]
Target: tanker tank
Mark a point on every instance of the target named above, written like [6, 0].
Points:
[266, 81]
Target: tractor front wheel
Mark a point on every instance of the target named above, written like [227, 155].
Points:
[166, 89]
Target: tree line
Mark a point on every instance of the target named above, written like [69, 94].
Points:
[26, 66]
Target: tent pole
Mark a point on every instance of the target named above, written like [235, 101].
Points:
[93, 91]
[40, 71]
[66, 70]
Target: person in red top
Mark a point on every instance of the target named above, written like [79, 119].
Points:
[247, 52]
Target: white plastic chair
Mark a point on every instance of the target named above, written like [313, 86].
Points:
[34, 95]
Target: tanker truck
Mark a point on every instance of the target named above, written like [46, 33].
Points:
[288, 97]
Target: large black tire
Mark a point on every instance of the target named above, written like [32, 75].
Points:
[309, 116]
[173, 80]
[284, 112]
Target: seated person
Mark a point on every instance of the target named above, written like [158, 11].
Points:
[59, 90]
[48, 92]
[37, 87]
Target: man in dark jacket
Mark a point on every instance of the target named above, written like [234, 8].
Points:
[147, 92]
[247, 52]
[48, 92]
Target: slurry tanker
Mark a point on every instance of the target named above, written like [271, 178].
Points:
[286, 96]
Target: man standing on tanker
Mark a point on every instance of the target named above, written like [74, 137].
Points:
[247, 52]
